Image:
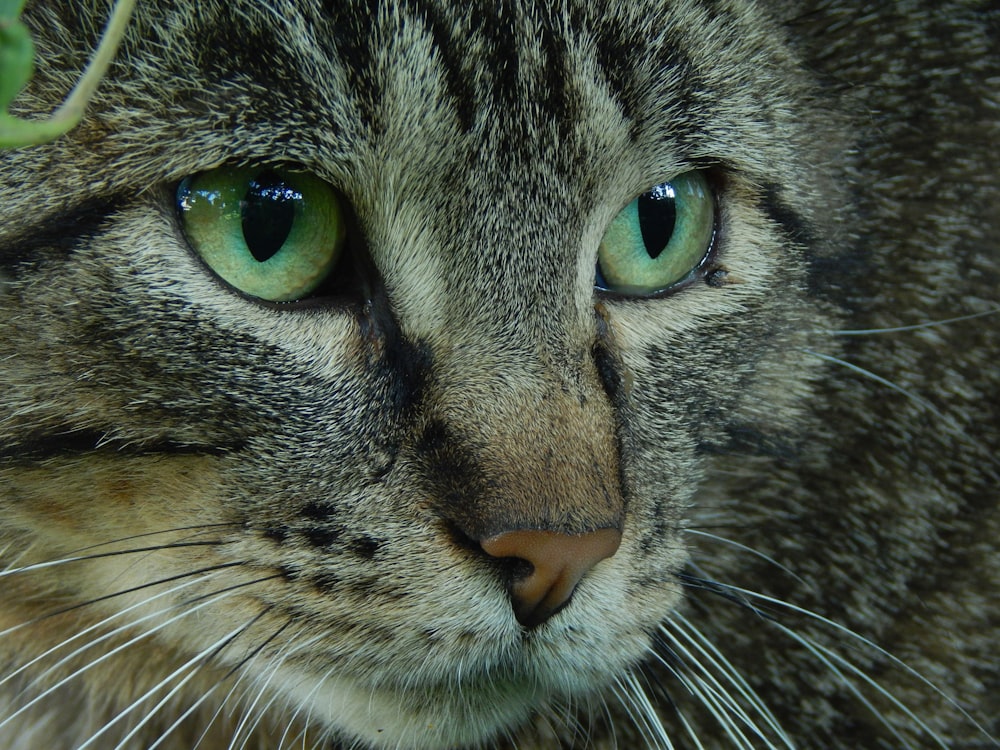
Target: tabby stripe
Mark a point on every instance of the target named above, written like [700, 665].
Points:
[62, 233]
[560, 104]
[630, 88]
[828, 275]
[459, 87]
[745, 438]
[832, 276]
[792, 224]
[405, 367]
[83, 442]
[614, 46]
[348, 27]
[503, 61]
[235, 50]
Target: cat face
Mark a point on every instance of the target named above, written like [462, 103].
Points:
[333, 330]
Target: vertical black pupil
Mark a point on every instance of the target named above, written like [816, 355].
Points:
[657, 214]
[268, 210]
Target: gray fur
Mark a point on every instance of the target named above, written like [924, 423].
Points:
[805, 448]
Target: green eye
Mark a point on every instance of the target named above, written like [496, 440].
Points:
[659, 238]
[271, 233]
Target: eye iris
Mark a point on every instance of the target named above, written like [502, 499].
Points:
[659, 239]
[267, 212]
[657, 218]
[270, 233]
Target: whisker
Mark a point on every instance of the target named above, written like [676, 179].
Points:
[609, 721]
[825, 655]
[716, 587]
[674, 670]
[745, 548]
[233, 587]
[204, 656]
[304, 732]
[300, 738]
[245, 723]
[102, 555]
[288, 727]
[729, 593]
[888, 384]
[123, 592]
[716, 656]
[321, 740]
[217, 596]
[295, 739]
[260, 647]
[706, 650]
[144, 535]
[184, 715]
[105, 621]
[248, 725]
[562, 717]
[878, 649]
[218, 711]
[634, 699]
[286, 653]
[709, 700]
[711, 694]
[916, 327]
[127, 626]
[689, 729]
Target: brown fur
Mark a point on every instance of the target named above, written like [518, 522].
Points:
[281, 503]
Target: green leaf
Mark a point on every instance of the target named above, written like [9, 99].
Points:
[17, 59]
[10, 10]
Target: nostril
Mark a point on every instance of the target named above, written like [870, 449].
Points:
[549, 566]
[514, 569]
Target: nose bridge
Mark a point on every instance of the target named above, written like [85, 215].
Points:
[530, 446]
[543, 487]
[558, 457]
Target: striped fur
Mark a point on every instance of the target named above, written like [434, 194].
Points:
[227, 523]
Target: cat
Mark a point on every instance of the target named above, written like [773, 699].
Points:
[431, 375]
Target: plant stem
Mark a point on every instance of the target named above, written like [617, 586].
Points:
[16, 132]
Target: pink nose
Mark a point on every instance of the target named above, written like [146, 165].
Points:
[558, 562]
